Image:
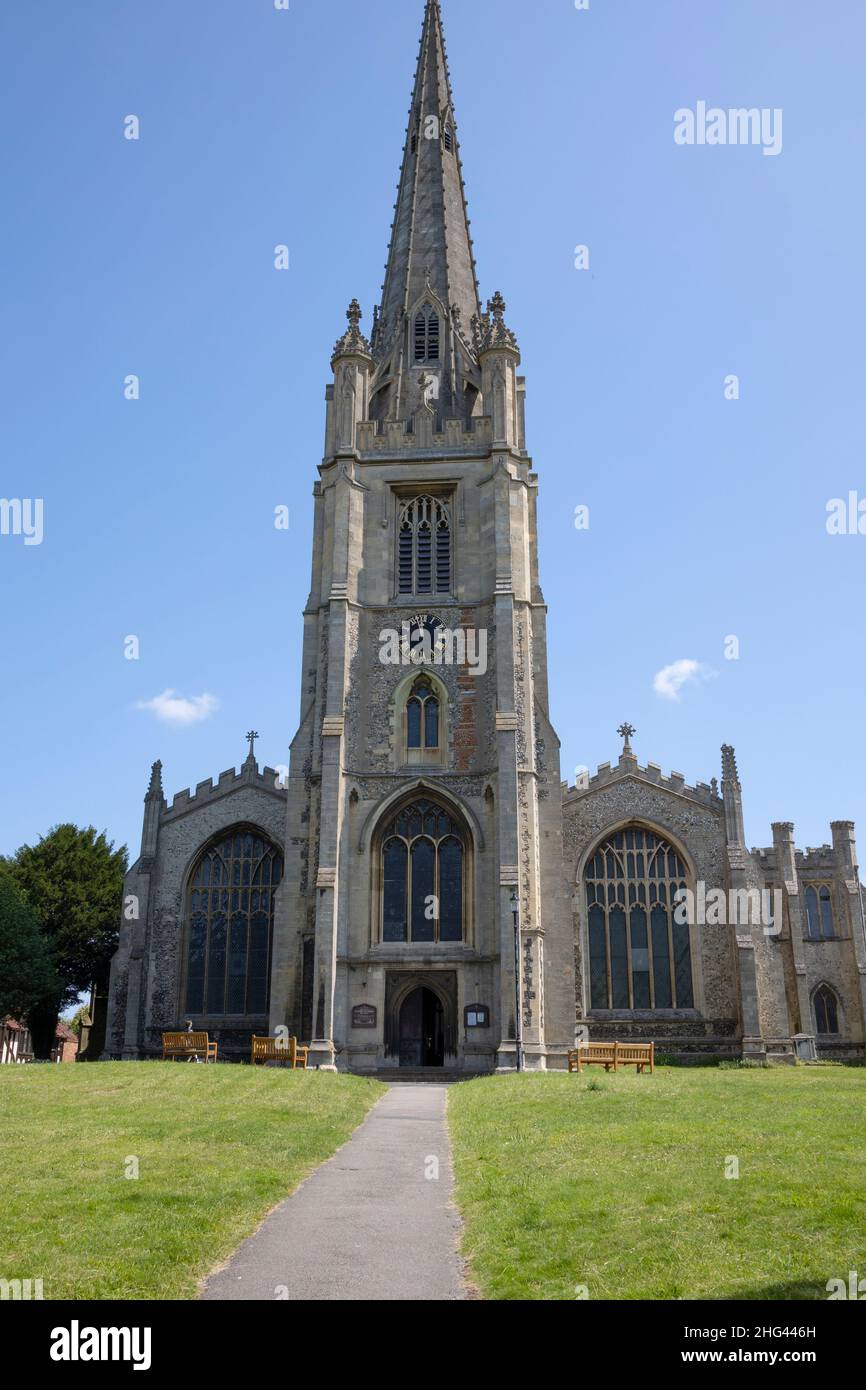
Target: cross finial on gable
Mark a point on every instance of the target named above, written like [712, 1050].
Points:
[626, 731]
[252, 736]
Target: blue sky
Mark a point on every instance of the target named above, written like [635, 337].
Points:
[259, 127]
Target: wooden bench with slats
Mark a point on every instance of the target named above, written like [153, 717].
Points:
[188, 1047]
[279, 1050]
[615, 1055]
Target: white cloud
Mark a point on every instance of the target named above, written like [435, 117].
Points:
[172, 708]
[669, 682]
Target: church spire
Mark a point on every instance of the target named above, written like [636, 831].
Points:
[431, 249]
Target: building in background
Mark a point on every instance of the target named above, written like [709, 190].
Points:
[15, 1045]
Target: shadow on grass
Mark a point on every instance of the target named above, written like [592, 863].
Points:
[797, 1292]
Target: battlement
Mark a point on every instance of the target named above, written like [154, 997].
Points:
[824, 857]
[396, 436]
[627, 766]
[269, 779]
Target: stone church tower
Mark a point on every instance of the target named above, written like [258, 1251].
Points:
[424, 793]
[422, 890]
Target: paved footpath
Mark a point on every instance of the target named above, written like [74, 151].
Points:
[369, 1224]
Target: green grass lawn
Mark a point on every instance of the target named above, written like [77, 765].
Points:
[617, 1182]
[217, 1147]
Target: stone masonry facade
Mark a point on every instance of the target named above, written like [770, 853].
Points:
[425, 521]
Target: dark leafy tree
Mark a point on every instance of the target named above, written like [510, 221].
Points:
[26, 973]
[73, 881]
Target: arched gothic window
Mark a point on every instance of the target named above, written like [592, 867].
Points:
[639, 956]
[449, 138]
[819, 913]
[427, 335]
[826, 1010]
[423, 719]
[230, 925]
[423, 868]
[424, 547]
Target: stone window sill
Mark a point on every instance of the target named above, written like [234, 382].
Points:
[643, 1015]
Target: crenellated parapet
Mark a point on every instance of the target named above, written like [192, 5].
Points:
[607, 775]
[812, 860]
[269, 779]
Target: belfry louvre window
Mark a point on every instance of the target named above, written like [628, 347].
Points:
[639, 956]
[423, 875]
[819, 913]
[427, 335]
[424, 547]
[231, 918]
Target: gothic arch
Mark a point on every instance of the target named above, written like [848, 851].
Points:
[224, 894]
[240, 827]
[421, 842]
[638, 823]
[424, 545]
[826, 1008]
[401, 985]
[407, 792]
[661, 832]
[429, 297]
[406, 984]
[397, 714]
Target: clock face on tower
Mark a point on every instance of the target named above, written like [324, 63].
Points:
[422, 640]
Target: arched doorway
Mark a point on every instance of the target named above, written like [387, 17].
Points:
[422, 1030]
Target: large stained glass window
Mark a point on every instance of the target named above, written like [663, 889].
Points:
[231, 918]
[423, 875]
[639, 956]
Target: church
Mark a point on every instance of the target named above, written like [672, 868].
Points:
[421, 890]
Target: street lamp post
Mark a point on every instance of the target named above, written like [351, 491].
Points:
[518, 1016]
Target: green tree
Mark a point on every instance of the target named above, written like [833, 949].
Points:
[73, 881]
[26, 972]
[82, 1012]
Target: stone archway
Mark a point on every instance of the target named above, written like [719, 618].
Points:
[421, 1017]
[422, 1029]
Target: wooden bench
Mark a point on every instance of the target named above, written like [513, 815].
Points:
[189, 1046]
[615, 1054]
[279, 1050]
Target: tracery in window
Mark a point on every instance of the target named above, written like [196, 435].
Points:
[423, 867]
[639, 956]
[819, 912]
[422, 717]
[826, 1010]
[230, 925]
[424, 547]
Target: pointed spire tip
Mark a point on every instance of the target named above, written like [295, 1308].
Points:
[155, 787]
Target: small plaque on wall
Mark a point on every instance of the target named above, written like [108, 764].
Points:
[364, 1016]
